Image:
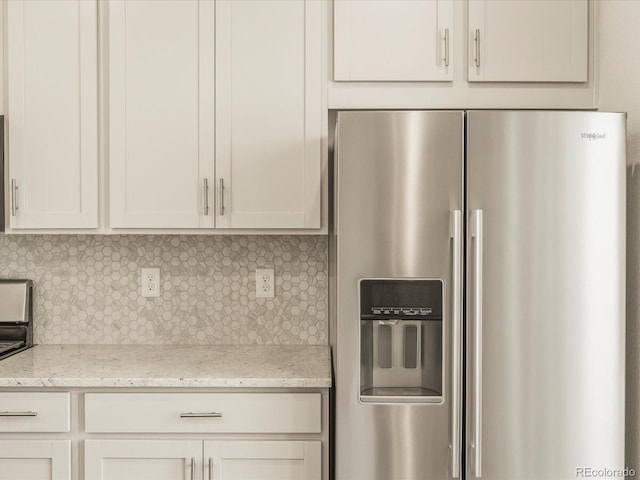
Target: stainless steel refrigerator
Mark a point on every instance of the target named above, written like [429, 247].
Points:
[477, 267]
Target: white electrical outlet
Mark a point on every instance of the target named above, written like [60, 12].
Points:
[265, 281]
[150, 282]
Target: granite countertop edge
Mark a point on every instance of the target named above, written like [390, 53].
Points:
[158, 366]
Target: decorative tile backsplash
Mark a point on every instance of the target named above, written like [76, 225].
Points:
[87, 288]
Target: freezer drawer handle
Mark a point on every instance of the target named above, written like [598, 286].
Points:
[455, 231]
[201, 415]
[18, 414]
[476, 233]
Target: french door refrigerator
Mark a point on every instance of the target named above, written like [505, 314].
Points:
[477, 267]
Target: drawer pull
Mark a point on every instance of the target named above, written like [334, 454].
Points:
[201, 415]
[18, 414]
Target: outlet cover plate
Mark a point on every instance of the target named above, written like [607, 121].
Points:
[265, 283]
[150, 282]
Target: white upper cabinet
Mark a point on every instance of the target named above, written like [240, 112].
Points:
[52, 113]
[528, 40]
[214, 115]
[268, 113]
[393, 40]
[161, 113]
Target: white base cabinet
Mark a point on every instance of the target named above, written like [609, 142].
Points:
[200, 414]
[199, 460]
[35, 412]
[203, 413]
[143, 460]
[156, 434]
[35, 460]
[263, 460]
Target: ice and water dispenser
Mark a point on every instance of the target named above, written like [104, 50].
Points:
[401, 340]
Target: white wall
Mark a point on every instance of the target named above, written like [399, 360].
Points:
[619, 71]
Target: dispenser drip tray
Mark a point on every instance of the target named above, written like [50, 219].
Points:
[400, 391]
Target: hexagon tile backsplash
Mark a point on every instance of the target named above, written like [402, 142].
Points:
[87, 288]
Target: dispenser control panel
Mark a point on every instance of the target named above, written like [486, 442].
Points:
[400, 299]
[411, 311]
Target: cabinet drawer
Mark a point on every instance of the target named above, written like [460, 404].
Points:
[203, 412]
[35, 412]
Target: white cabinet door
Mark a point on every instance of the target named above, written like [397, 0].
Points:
[143, 460]
[235, 412]
[528, 40]
[35, 460]
[263, 460]
[35, 412]
[161, 113]
[268, 113]
[52, 113]
[393, 40]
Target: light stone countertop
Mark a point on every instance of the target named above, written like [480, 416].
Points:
[168, 366]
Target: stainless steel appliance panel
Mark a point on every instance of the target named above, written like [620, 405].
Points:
[545, 293]
[398, 184]
[15, 297]
[16, 316]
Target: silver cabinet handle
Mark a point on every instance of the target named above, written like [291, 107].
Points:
[446, 47]
[210, 468]
[201, 415]
[476, 234]
[193, 468]
[18, 414]
[206, 196]
[221, 196]
[14, 197]
[455, 232]
[476, 39]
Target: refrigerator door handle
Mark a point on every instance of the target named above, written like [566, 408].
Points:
[455, 230]
[476, 446]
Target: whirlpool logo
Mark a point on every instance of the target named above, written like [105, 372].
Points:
[591, 136]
